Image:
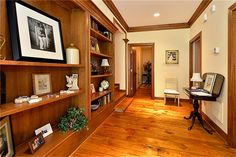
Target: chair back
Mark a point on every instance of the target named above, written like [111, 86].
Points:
[171, 83]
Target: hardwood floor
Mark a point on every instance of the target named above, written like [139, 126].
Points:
[148, 128]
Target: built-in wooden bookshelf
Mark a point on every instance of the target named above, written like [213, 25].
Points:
[26, 118]
[106, 51]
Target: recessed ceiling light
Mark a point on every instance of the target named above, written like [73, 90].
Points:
[156, 14]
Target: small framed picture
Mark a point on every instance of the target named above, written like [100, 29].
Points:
[6, 143]
[92, 88]
[209, 82]
[42, 84]
[36, 143]
[172, 57]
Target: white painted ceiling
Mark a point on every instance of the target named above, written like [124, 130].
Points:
[140, 12]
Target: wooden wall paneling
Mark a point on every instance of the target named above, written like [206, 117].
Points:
[24, 123]
[6, 49]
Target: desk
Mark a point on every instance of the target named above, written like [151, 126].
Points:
[195, 112]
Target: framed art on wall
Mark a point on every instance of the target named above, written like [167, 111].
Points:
[172, 57]
[42, 84]
[35, 35]
[6, 142]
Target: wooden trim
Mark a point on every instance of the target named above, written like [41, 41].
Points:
[195, 38]
[231, 77]
[203, 5]
[116, 13]
[153, 54]
[158, 27]
[181, 99]
[214, 126]
[96, 13]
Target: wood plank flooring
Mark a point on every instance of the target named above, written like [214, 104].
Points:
[148, 128]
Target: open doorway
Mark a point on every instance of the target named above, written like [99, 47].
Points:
[141, 68]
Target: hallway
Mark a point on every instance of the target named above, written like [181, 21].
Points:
[148, 128]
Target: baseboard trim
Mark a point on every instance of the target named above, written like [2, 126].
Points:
[162, 98]
[215, 127]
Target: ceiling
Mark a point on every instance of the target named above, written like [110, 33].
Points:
[140, 12]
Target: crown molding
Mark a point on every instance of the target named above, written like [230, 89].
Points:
[117, 14]
[159, 27]
[203, 5]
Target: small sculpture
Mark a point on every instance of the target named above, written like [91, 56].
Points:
[72, 82]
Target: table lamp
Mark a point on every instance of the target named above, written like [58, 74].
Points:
[196, 78]
[105, 65]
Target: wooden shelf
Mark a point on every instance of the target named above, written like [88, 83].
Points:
[12, 108]
[104, 75]
[38, 64]
[98, 95]
[101, 109]
[100, 54]
[51, 142]
[98, 35]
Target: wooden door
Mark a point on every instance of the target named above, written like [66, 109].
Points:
[132, 73]
[195, 65]
[232, 77]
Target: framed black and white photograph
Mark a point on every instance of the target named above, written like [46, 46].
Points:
[6, 142]
[35, 35]
[172, 57]
[42, 84]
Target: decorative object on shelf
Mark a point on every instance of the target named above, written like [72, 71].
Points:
[209, 82]
[172, 56]
[196, 79]
[36, 143]
[94, 25]
[2, 42]
[35, 35]
[95, 105]
[148, 70]
[105, 66]
[73, 120]
[72, 82]
[92, 88]
[2, 87]
[105, 84]
[65, 92]
[6, 147]
[42, 84]
[94, 45]
[45, 130]
[100, 89]
[21, 99]
[94, 66]
[72, 55]
[35, 100]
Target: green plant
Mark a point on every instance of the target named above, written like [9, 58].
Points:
[73, 120]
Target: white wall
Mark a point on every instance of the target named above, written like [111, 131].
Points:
[120, 60]
[167, 40]
[215, 34]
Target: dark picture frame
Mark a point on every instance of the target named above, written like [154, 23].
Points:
[36, 143]
[172, 57]
[6, 146]
[35, 35]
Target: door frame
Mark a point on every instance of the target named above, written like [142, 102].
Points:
[231, 77]
[128, 67]
[194, 39]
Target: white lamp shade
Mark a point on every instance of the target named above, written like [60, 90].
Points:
[105, 63]
[196, 77]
